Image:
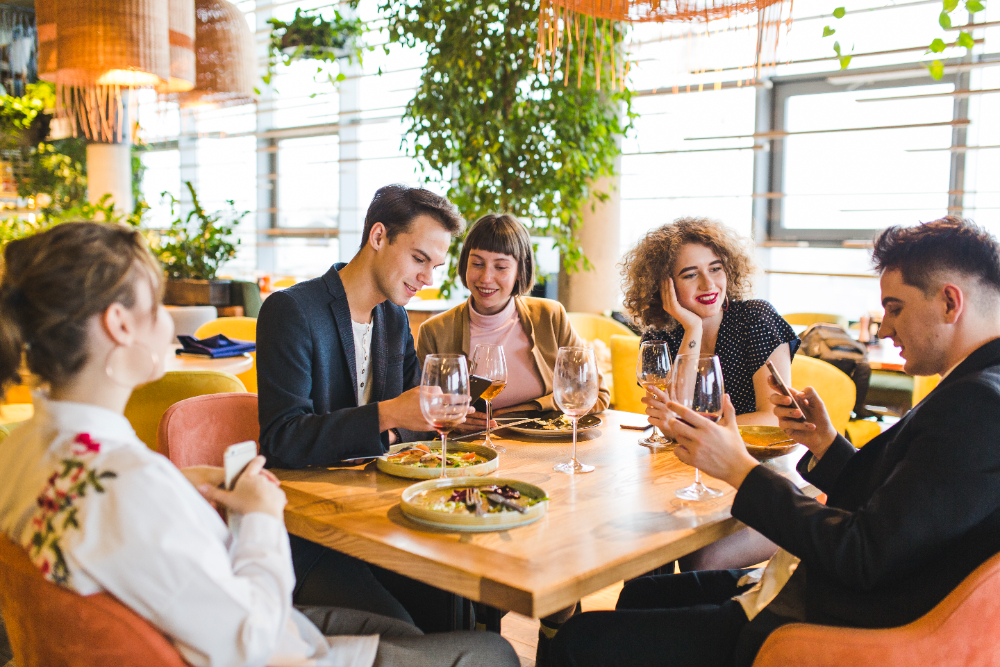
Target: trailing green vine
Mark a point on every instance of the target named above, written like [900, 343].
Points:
[311, 36]
[501, 134]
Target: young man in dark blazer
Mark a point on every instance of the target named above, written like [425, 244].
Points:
[908, 517]
[338, 379]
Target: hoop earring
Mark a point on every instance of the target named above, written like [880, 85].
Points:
[109, 363]
[725, 304]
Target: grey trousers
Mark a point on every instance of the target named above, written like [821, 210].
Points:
[404, 645]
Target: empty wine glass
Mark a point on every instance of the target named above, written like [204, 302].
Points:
[697, 385]
[444, 396]
[574, 388]
[652, 369]
[488, 362]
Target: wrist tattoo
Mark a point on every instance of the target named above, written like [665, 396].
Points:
[692, 343]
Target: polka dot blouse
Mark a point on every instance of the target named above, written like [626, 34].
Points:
[749, 333]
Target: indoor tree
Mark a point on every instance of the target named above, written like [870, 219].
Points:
[502, 133]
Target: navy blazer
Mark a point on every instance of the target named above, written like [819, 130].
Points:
[306, 375]
[908, 516]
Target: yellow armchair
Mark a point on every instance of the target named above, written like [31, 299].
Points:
[624, 356]
[240, 328]
[835, 388]
[805, 319]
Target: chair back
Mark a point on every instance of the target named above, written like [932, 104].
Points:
[805, 319]
[923, 385]
[148, 403]
[240, 328]
[593, 327]
[835, 388]
[51, 626]
[959, 632]
[196, 431]
[624, 356]
[282, 283]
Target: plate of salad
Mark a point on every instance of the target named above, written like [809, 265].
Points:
[422, 460]
[474, 503]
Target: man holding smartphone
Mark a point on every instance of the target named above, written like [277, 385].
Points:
[908, 517]
[338, 379]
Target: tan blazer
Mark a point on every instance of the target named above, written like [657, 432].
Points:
[548, 328]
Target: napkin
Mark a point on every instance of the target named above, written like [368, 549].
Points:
[216, 347]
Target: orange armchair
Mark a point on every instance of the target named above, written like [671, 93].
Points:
[196, 431]
[960, 631]
[51, 626]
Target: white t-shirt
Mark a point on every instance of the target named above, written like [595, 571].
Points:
[363, 360]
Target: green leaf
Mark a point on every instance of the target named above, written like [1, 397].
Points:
[836, 48]
[937, 46]
[845, 61]
[936, 69]
[965, 39]
[839, 13]
[950, 5]
[945, 20]
[973, 6]
[827, 31]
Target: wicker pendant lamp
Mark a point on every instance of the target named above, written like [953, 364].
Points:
[45, 21]
[226, 61]
[181, 38]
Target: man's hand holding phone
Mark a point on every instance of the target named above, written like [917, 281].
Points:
[803, 416]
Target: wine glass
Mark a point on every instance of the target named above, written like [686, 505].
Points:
[488, 362]
[574, 388]
[697, 385]
[652, 369]
[444, 396]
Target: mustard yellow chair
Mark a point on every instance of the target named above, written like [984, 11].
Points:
[923, 385]
[282, 283]
[3, 433]
[624, 356]
[593, 327]
[240, 328]
[428, 293]
[861, 431]
[805, 319]
[835, 388]
[148, 403]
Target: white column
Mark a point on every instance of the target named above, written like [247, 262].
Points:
[351, 213]
[597, 290]
[109, 171]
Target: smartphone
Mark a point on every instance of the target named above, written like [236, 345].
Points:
[784, 390]
[477, 385]
[235, 461]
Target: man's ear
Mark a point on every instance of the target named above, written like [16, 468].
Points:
[116, 321]
[952, 301]
[378, 236]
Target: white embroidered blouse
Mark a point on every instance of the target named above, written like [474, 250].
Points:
[98, 511]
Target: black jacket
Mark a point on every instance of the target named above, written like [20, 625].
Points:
[908, 516]
[308, 404]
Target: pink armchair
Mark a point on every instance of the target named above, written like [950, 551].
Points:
[196, 431]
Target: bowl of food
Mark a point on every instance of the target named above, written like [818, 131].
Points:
[422, 460]
[474, 503]
[766, 442]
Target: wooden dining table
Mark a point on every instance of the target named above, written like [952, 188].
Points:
[618, 522]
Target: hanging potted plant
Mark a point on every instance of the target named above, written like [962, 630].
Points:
[192, 249]
[311, 36]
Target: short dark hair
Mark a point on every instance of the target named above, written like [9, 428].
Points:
[395, 206]
[504, 234]
[921, 252]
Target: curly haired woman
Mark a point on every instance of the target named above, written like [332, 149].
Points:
[687, 283]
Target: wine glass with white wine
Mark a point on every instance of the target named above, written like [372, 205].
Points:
[574, 388]
[444, 396]
[652, 369]
[488, 362]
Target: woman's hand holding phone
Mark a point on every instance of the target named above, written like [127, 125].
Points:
[255, 491]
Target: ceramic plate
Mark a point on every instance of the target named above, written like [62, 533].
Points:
[766, 442]
[414, 472]
[417, 500]
[586, 423]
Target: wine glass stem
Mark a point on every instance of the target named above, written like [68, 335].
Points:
[489, 417]
[697, 477]
[574, 439]
[444, 452]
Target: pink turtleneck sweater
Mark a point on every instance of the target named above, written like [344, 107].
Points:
[523, 380]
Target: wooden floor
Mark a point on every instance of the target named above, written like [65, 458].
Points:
[522, 632]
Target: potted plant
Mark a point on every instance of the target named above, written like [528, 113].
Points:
[192, 249]
[310, 36]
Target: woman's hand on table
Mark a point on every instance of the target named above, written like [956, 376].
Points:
[817, 431]
[714, 448]
[256, 490]
[668, 295]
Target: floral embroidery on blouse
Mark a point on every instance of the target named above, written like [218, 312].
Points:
[57, 508]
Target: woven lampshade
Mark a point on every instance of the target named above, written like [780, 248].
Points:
[45, 21]
[112, 42]
[181, 37]
[660, 11]
[225, 56]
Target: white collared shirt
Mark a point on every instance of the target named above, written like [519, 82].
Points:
[143, 533]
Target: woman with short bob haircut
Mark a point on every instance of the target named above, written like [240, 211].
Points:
[497, 265]
[98, 511]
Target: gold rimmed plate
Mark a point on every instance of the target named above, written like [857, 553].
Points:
[766, 442]
[427, 503]
[431, 470]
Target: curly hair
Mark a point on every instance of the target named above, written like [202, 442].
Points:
[646, 266]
